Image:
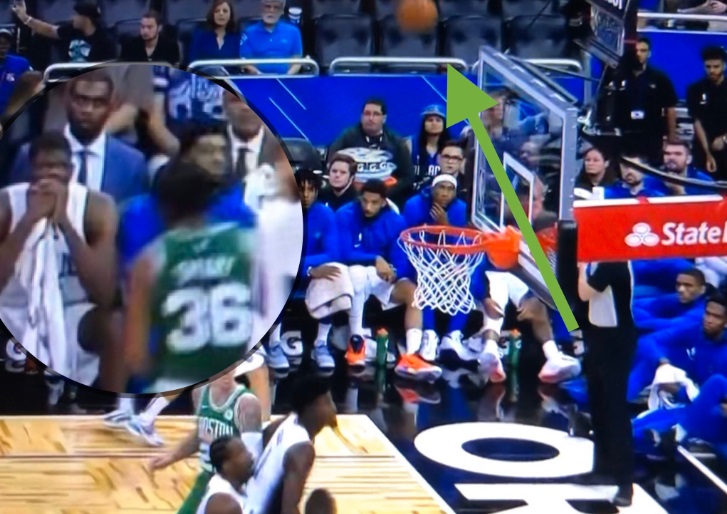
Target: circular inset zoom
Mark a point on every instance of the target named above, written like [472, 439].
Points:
[134, 259]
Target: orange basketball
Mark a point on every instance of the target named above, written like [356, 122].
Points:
[417, 15]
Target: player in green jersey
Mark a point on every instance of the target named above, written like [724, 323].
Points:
[223, 408]
[194, 284]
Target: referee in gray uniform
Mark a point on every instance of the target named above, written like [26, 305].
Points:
[610, 337]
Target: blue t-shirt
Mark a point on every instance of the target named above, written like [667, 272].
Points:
[189, 97]
[10, 71]
[283, 41]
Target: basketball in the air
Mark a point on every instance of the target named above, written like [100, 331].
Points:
[417, 15]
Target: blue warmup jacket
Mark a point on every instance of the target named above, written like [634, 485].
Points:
[620, 191]
[141, 222]
[665, 312]
[362, 239]
[321, 237]
[416, 210]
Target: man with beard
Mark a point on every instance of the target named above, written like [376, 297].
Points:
[707, 103]
[252, 150]
[101, 162]
[678, 161]
[150, 45]
[633, 183]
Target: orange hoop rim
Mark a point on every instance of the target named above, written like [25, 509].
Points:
[475, 241]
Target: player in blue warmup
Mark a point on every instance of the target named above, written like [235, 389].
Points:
[439, 205]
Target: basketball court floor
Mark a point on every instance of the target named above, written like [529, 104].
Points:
[410, 449]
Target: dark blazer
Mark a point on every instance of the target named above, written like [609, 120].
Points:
[124, 175]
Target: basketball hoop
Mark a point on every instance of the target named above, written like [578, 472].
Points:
[445, 258]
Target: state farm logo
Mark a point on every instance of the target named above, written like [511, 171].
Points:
[642, 235]
[677, 234]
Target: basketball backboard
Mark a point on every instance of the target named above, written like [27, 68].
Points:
[535, 133]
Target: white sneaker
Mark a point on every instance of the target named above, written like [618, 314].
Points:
[490, 364]
[277, 361]
[118, 418]
[453, 347]
[559, 368]
[322, 356]
[145, 431]
[430, 345]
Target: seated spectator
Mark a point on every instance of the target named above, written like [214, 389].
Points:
[272, 38]
[341, 175]
[133, 86]
[379, 151]
[12, 67]
[451, 161]
[151, 45]
[596, 172]
[665, 312]
[426, 146]
[678, 161]
[633, 183]
[87, 39]
[100, 161]
[219, 38]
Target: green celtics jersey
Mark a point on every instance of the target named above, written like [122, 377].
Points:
[202, 302]
[214, 422]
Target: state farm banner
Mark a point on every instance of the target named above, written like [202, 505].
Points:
[614, 230]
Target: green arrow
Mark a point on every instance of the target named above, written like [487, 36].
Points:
[465, 101]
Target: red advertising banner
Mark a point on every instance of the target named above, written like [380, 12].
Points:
[611, 230]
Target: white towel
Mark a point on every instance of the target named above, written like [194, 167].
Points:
[669, 374]
[325, 297]
[37, 269]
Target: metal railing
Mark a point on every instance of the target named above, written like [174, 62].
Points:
[73, 67]
[655, 16]
[434, 62]
[304, 62]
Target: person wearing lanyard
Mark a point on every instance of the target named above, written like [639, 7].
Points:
[610, 337]
[646, 106]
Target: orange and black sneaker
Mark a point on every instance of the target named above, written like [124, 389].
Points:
[356, 353]
[412, 366]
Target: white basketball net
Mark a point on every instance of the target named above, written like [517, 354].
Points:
[443, 277]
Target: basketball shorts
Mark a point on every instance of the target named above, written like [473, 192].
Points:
[365, 278]
[87, 363]
[504, 287]
[196, 494]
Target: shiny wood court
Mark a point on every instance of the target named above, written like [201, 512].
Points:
[75, 465]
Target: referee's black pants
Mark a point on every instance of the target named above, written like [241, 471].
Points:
[607, 364]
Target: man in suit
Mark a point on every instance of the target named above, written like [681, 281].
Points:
[100, 161]
[251, 149]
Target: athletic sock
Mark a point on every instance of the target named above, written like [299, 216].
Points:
[125, 403]
[680, 433]
[550, 350]
[155, 407]
[324, 329]
[413, 340]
